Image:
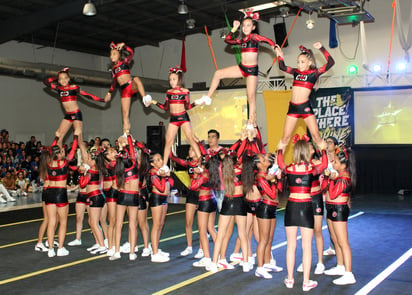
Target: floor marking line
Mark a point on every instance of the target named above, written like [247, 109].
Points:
[385, 273]
[73, 233]
[28, 221]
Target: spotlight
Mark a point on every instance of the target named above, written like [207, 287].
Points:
[401, 66]
[89, 9]
[310, 23]
[377, 68]
[190, 23]
[284, 11]
[182, 8]
[353, 69]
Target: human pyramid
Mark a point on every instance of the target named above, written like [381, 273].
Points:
[240, 182]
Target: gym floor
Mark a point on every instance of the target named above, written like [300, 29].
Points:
[380, 234]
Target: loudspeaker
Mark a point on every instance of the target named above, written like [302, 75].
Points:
[280, 34]
[155, 138]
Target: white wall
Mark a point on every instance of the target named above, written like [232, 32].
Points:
[40, 113]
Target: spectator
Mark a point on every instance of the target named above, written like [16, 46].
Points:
[9, 182]
[31, 148]
[22, 184]
[96, 144]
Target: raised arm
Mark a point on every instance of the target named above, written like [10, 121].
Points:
[72, 152]
[281, 162]
[51, 82]
[130, 55]
[164, 106]
[177, 160]
[131, 147]
[269, 190]
[260, 38]
[323, 165]
[91, 96]
[329, 60]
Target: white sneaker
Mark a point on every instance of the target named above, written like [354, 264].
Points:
[167, 254]
[125, 248]
[132, 257]
[62, 252]
[94, 247]
[329, 251]
[236, 257]
[100, 250]
[338, 270]
[272, 267]
[251, 260]
[51, 253]
[186, 251]
[204, 262]
[226, 265]
[147, 252]
[24, 194]
[309, 285]
[75, 242]
[289, 283]
[247, 267]
[11, 199]
[199, 254]
[347, 279]
[207, 100]
[2, 201]
[111, 252]
[39, 247]
[320, 268]
[213, 267]
[262, 273]
[55, 244]
[115, 256]
[159, 258]
[300, 268]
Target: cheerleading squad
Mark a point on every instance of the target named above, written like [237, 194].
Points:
[241, 183]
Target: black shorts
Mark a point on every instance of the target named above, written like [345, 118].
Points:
[56, 196]
[234, 206]
[251, 206]
[157, 200]
[266, 211]
[207, 206]
[77, 116]
[97, 201]
[301, 110]
[82, 198]
[44, 195]
[127, 199]
[142, 202]
[179, 119]
[318, 207]
[337, 212]
[111, 195]
[192, 197]
[249, 70]
[299, 214]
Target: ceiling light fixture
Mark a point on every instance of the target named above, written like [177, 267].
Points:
[310, 23]
[264, 6]
[284, 11]
[182, 8]
[191, 22]
[89, 9]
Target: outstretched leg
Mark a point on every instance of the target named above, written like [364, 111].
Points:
[229, 72]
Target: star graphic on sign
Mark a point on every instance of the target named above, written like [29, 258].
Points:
[387, 117]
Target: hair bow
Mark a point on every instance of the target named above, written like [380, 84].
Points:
[249, 13]
[303, 49]
[176, 69]
[250, 153]
[113, 45]
[64, 70]
[123, 155]
[296, 138]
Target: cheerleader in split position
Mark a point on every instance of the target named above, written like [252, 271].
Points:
[121, 56]
[177, 100]
[305, 77]
[337, 207]
[68, 97]
[248, 66]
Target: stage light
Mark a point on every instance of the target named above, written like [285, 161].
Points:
[401, 66]
[377, 68]
[353, 69]
[310, 23]
[89, 9]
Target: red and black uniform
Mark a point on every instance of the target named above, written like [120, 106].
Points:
[70, 93]
[299, 211]
[160, 183]
[236, 204]
[96, 197]
[340, 187]
[177, 97]
[305, 79]
[249, 43]
[82, 194]
[58, 195]
[192, 196]
[207, 203]
[317, 196]
[109, 192]
[126, 197]
[122, 68]
[266, 208]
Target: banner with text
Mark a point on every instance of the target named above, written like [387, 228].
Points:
[333, 109]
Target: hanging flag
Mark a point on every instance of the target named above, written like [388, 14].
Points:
[183, 58]
[333, 42]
